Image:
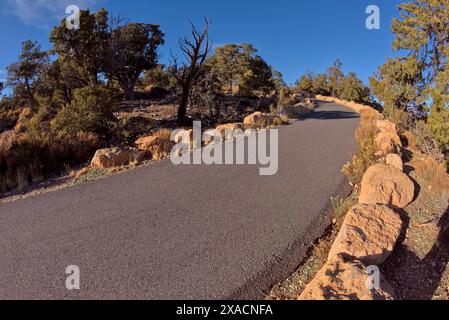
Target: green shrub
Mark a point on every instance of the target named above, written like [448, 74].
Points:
[90, 111]
[285, 98]
[400, 117]
[439, 125]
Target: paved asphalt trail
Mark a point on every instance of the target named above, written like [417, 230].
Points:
[185, 232]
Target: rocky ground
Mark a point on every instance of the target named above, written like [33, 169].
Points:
[419, 267]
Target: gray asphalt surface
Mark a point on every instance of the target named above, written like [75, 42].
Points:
[180, 232]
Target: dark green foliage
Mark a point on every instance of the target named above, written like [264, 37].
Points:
[305, 84]
[25, 74]
[132, 50]
[397, 84]
[258, 78]
[334, 78]
[158, 77]
[352, 88]
[86, 48]
[90, 111]
[238, 66]
[422, 76]
[334, 83]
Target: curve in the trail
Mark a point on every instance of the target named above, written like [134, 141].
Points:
[180, 232]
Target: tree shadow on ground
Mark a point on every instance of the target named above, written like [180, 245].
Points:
[412, 277]
[332, 115]
[324, 102]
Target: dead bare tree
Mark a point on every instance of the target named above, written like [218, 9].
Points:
[195, 50]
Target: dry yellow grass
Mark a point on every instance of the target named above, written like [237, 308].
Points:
[433, 173]
[163, 134]
[366, 152]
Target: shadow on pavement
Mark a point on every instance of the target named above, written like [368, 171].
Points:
[332, 115]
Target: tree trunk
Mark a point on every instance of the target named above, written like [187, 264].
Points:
[128, 88]
[30, 97]
[182, 110]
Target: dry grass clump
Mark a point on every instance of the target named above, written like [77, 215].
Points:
[369, 115]
[163, 134]
[28, 157]
[278, 121]
[8, 118]
[366, 152]
[341, 206]
[433, 173]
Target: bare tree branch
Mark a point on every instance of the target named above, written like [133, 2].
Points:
[195, 50]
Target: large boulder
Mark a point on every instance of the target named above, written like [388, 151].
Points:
[225, 129]
[388, 142]
[145, 143]
[253, 118]
[395, 161]
[385, 185]
[346, 280]
[369, 234]
[159, 145]
[116, 157]
[386, 126]
[262, 120]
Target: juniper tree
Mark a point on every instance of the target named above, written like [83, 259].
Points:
[422, 32]
[132, 49]
[24, 75]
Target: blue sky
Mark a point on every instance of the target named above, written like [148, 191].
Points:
[292, 35]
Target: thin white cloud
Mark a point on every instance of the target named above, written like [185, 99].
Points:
[44, 13]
